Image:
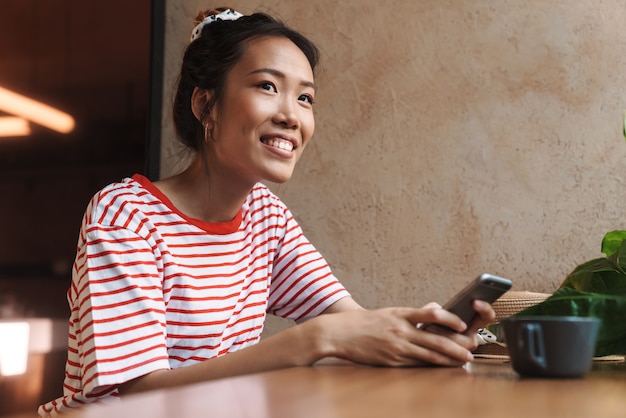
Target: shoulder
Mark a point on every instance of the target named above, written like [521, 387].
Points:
[262, 197]
[117, 201]
[263, 209]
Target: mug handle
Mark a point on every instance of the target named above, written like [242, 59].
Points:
[533, 334]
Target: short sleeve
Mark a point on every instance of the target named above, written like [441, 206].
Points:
[303, 285]
[119, 319]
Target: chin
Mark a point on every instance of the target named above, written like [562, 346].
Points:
[279, 178]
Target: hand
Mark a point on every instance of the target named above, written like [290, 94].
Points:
[391, 337]
[486, 315]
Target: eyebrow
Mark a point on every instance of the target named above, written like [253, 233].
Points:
[282, 75]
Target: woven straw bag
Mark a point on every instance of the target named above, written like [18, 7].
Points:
[508, 304]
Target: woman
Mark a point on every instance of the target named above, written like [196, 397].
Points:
[170, 276]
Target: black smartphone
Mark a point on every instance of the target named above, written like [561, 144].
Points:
[485, 287]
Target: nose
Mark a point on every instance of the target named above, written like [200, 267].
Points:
[286, 115]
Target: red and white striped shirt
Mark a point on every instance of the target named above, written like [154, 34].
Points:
[153, 289]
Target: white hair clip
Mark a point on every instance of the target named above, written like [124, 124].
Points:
[228, 14]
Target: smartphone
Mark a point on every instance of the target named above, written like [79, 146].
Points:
[485, 287]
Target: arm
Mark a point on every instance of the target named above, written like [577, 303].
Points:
[387, 337]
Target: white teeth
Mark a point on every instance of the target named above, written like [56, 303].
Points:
[279, 143]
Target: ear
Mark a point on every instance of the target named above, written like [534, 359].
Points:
[199, 104]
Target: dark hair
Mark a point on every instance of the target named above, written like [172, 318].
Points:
[209, 58]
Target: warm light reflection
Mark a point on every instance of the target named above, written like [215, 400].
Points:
[34, 111]
[13, 348]
[47, 335]
[13, 126]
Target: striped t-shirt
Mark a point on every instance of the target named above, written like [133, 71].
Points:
[153, 289]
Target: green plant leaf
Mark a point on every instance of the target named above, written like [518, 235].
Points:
[600, 275]
[603, 275]
[612, 242]
[611, 309]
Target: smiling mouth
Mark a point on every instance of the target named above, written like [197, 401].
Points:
[279, 143]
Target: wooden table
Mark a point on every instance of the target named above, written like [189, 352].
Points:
[485, 388]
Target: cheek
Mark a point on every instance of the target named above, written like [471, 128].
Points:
[308, 127]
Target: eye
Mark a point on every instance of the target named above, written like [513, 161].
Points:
[306, 98]
[266, 85]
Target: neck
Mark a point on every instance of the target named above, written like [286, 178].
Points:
[205, 195]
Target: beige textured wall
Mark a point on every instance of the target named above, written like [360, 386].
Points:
[453, 137]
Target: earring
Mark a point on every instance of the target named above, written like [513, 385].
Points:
[208, 134]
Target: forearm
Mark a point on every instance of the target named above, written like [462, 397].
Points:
[343, 305]
[300, 345]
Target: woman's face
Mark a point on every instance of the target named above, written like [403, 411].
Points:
[265, 117]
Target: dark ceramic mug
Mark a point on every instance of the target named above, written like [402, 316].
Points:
[551, 346]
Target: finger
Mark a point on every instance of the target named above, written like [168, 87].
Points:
[486, 315]
[436, 316]
[431, 305]
[469, 340]
[484, 309]
[466, 340]
[443, 350]
[418, 355]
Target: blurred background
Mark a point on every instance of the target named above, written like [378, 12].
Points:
[91, 62]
